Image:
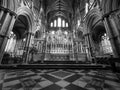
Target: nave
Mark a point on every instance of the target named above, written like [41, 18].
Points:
[59, 44]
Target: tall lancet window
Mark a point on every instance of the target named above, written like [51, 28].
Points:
[86, 8]
[63, 23]
[51, 24]
[106, 45]
[55, 23]
[66, 24]
[11, 43]
[59, 22]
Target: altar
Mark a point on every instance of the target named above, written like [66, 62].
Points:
[59, 45]
[59, 57]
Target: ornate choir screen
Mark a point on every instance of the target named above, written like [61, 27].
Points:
[59, 45]
[59, 42]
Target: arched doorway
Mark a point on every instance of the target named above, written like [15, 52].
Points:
[102, 45]
[16, 45]
[111, 12]
[95, 31]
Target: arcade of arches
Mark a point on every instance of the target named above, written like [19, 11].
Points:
[50, 38]
[75, 30]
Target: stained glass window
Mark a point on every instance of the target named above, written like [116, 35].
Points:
[51, 24]
[11, 43]
[63, 23]
[59, 22]
[66, 24]
[55, 23]
[106, 45]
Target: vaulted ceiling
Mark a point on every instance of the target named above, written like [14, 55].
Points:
[63, 8]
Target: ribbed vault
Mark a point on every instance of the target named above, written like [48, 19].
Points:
[92, 18]
[55, 8]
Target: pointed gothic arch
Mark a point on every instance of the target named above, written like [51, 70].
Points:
[93, 17]
[9, 4]
[109, 5]
[29, 15]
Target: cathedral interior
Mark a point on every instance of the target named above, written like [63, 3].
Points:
[59, 44]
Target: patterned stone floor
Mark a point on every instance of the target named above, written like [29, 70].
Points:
[58, 80]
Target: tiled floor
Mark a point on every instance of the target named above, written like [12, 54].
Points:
[58, 80]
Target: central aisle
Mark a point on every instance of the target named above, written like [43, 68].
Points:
[54, 79]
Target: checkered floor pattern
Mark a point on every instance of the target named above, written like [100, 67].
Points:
[54, 79]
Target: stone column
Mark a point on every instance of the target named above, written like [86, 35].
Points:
[40, 47]
[77, 47]
[116, 35]
[64, 46]
[53, 46]
[7, 19]
[67, 47]
[46, 53]
[70, 53]
[26, 48]
[43, 50]
[87, 39]
[81, 47]
[73, 53]
[46, 47]
[50, 47]
[70, 47]
[113, 34]
[30, 36]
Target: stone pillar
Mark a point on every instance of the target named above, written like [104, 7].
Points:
[50, 47]
[45, 58]
[43, 50]
[46, 47]
[81, 47]
[53, 46]
[30, 36]
[73, 53]
[113, 34]
[77, 47]
[76, 52]
[41, 47]
[70, 53]
[26, 48]
[64, 46]
[7, 19]
[88, 42]
[67, 47]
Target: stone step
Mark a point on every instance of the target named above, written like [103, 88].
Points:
[55, 66]
[62, 62]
